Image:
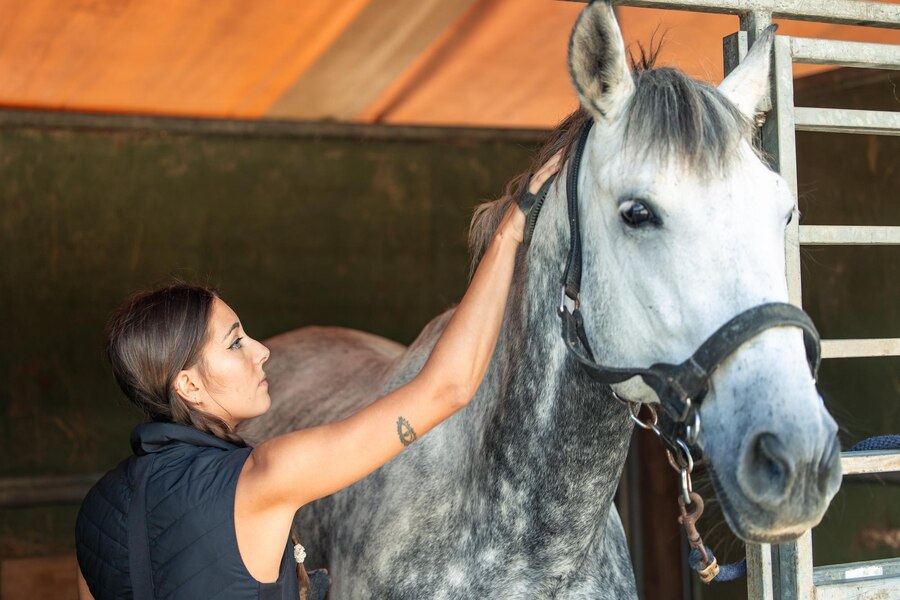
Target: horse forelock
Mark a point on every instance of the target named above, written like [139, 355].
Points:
[673, 116]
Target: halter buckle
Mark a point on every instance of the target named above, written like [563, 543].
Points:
[562, 300]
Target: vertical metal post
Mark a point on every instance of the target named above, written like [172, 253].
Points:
[760, 579]
[754, 23]
[779, 142]
[734, 49]
[795, 569]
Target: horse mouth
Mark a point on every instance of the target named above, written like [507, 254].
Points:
[763, 531]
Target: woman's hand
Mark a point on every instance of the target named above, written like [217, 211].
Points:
[513, 222]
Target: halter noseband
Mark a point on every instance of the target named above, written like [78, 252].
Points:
[680, 388]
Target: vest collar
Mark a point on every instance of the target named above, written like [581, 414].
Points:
[147, 438]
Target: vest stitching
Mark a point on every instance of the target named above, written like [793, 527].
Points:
[207, 472]
[88, 519]
[193, 541]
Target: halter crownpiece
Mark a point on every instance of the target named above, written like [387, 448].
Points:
[680, 388]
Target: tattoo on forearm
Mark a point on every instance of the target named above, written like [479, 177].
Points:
[405, 431]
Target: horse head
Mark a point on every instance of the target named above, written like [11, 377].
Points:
[683, 227]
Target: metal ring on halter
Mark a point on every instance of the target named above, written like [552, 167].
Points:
[627, 403]
[685, 461]
[692, 431]
[687, 409]
[635, 409]
[562, 300]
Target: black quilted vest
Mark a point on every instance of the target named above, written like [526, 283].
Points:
[193, 552]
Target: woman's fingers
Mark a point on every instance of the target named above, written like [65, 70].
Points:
[545, 172]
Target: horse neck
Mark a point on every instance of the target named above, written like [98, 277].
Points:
[555, 441]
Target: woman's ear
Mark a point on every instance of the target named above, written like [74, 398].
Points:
[187, 386]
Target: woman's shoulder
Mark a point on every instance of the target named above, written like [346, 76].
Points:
[112, 492]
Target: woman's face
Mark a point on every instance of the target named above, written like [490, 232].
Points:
[230, 382]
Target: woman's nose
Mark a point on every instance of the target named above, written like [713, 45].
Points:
[264, 353]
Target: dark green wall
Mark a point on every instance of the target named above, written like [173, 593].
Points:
[296, 224]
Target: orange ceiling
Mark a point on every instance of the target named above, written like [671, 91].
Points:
[452, 62]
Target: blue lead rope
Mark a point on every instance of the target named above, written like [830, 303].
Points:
[881, 442]
[727, 572]
[732, 571]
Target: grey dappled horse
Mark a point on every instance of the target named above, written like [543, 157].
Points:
[682, 228]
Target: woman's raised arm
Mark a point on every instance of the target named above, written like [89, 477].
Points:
[279, 471]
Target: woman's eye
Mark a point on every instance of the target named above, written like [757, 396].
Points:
[636, 213]
[236, 344]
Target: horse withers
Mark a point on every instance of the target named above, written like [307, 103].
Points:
[682, 228]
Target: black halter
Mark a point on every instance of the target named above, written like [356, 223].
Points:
[680, 388]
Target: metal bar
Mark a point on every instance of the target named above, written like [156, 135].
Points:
[860, 348]
[889, 567]
[779, 141]
[876, 461]
[839, 235]
[796, 569]
[848, 12]
[36, 491]
[845, 54]
[734, 50]
[754, 22]
[863, 589]
[841, 120]
[759, 572]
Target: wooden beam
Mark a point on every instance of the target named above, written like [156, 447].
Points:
[383, 40]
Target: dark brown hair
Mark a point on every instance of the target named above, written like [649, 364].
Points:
[151, 338]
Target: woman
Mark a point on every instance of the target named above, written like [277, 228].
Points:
[197, 514]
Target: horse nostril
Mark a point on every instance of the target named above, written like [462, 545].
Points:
[769, 470]
[772, 457]
[828, 466]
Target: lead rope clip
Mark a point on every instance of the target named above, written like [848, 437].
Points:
[688, 520]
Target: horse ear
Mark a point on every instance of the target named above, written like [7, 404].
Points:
[748, 84]
[597, 61]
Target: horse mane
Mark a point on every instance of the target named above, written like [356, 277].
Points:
[670, 114]
[487, 216]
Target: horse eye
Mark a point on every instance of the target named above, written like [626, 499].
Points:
[635, 213]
